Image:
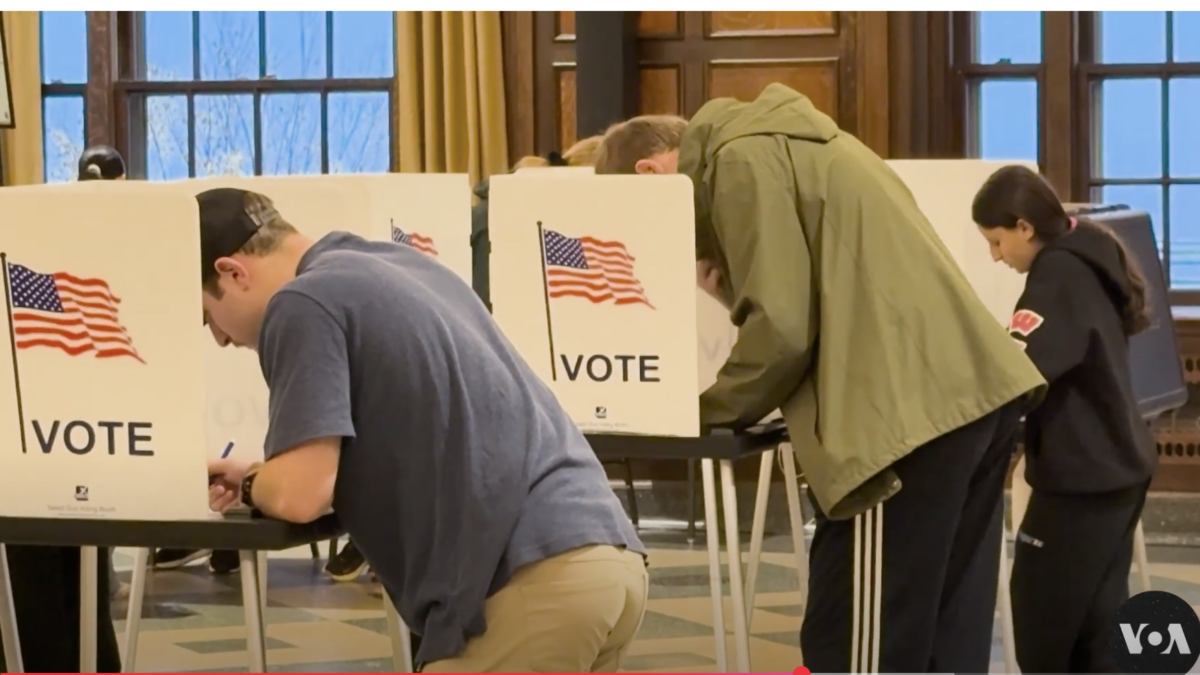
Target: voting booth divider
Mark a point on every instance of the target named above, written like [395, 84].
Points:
[640, 212]
[429, 212]
[106, 419]
[593, 281]
[115, 405]
[102, 416]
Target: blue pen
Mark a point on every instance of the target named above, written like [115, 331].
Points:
[212, 478]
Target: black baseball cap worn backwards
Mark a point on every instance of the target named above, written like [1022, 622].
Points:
[227, 222]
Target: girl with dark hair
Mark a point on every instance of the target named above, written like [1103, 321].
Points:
[101, 162]
[1089, 455]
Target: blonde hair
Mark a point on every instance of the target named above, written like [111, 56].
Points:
[639, 138]
[583, 153]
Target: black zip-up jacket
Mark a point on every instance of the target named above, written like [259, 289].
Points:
[1086, 436]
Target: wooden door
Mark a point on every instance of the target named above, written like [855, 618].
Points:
[837, 59]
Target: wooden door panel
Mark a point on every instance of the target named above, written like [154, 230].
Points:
[745, 80]
[650, 24]
[658, 91]
[567, 119]
[767, 24]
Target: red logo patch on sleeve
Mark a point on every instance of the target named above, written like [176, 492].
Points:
[1025, 322]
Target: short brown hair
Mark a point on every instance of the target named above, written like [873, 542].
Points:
[639, 138]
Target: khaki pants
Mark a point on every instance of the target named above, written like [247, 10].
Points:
[574, 613]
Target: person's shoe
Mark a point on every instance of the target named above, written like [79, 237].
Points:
[224, 562]
[174, 558]
[347, 565]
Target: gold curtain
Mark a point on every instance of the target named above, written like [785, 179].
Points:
[21, 147]
[450, 93]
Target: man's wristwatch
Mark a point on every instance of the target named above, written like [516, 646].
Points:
[248, 488]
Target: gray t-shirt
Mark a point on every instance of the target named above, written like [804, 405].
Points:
[458, 465]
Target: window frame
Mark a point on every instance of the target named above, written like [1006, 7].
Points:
[57, 90]
[972, 75]
[131, 89]
[1093, 74]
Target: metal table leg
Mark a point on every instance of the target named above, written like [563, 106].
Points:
[691, 495]
[262, 582]
[1139, 553]
[712, 537]
[733, 556]
[256, 639]
[758, 524]
[137, 599]
[89, 592]
[8, 619]
[791, 483]
[402, 656]
[1004, 600]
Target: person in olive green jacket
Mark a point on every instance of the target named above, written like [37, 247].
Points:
[901, 392]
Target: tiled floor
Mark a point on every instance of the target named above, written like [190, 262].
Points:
[193, 620]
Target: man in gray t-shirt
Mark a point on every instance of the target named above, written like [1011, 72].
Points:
[396, 402]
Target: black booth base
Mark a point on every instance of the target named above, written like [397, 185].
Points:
[719, 445]
[236, 534]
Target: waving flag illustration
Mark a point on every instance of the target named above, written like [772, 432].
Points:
[76, 315]
[598, 271]
[589, 268]
[418, 241]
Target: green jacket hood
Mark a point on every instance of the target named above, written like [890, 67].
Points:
[778, 110]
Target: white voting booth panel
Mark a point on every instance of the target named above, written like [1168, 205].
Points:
[430, 211]
[101, 412]
[593, 281]
[945, 189]
[236, 408]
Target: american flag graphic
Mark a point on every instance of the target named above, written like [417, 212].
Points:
[418, 241]
[62, 311]
[585, 267]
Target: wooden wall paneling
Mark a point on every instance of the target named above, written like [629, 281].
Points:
[847, 111]
[650, 24]
[660, 90]
[660, 25]
[519, 83]
[551, 56]
[659, 94]
[744, 79]
[714, 49]
[770, 24]
[566, 115]
[904, 81]
[870, 65]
